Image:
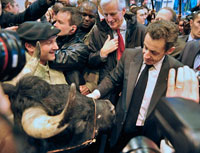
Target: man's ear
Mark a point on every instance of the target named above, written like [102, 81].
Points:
[191, 22]
[73, 29]
[170, 50]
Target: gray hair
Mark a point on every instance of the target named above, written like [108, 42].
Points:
[121, 3]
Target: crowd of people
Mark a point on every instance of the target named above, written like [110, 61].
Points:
[132, 57]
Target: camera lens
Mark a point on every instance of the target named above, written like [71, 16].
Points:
[12, 55]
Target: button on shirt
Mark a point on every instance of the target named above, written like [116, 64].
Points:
[152, 79]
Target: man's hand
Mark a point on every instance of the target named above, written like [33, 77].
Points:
[185, 86]
[13, 28]
[4, 103]
[84, 90]
[95, 94]
[109, 46]
[31, 65]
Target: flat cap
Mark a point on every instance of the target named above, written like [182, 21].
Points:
[34, 31]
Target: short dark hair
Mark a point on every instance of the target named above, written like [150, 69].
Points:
[195, 15]
[75, 17]
[5, 2]
[88, 6]
[163, 29]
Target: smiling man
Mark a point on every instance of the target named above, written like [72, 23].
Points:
[30, 33]
[110, 36]
[139, 69]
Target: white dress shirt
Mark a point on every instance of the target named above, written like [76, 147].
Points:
[191, 39]
[151, 82]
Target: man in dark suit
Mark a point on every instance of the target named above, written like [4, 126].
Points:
[118, 28]
[191, 55]
[194, 34]
[159, 41]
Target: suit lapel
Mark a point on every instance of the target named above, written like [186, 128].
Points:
[134, 70]
[193, 53]
[161, 85]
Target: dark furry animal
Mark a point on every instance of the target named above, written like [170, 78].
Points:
[84, 117]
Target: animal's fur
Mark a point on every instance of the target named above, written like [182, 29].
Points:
[32, 91]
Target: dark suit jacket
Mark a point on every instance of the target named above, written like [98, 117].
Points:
[179, 46]
[189, 53]
[184, 38]
[126, 73]
[135, 33]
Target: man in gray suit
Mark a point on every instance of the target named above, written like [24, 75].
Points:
[191, 55]
[159, 41]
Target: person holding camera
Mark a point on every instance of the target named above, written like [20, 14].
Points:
[34, 12]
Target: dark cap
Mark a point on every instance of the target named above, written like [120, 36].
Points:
[34, 31]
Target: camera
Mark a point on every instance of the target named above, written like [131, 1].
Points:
[12, 55]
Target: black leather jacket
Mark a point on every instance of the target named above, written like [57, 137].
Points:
[71, 59]
[73, 54]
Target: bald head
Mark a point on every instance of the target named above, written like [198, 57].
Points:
[166, 14]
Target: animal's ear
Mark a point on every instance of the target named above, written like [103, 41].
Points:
[69, 105]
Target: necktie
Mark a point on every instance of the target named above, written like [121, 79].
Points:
[198, 68]
[121, 46]
[137, 97]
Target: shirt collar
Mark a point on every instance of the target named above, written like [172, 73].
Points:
[123, 26]
[192, 39]
[158, 65]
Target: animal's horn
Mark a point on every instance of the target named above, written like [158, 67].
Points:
[70, 104]
[38, 124]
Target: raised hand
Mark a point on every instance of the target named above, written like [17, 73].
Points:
[185, 85]
[109, 46]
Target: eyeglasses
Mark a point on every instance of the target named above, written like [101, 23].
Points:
[89, 15]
